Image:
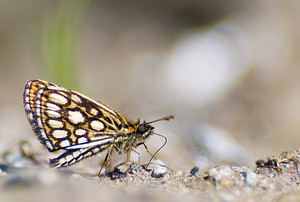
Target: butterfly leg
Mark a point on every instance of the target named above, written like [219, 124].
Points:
[128, 155]
[136, 151]
[142, 143]
[107, 159]
[104, 163]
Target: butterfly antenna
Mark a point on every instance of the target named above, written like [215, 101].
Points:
[167, 118]
[159, 148]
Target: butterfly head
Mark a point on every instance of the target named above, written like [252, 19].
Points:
[144, 130]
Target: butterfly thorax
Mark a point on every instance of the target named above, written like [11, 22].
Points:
[133, 136]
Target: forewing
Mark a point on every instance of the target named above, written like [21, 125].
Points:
[65, 119]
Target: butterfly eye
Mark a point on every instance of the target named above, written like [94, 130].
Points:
[141, 129]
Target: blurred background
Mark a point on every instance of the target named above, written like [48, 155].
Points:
[228, 70]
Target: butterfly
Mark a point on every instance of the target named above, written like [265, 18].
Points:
[63, 119]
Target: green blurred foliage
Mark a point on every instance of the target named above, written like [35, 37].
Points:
[57, 38]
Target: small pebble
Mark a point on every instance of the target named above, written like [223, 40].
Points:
[195, 171]
[160, 169]
[224, 183]
[221, 172]
[251, 178]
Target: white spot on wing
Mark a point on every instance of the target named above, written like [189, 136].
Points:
[27, 106]
[43, 134]
[75, 98]
[88, 154]
[55, 123]
[62, 161]
[27, 98]
[53, 114]
[30, 116]
[76, 154]
[55, 88]
[96, 150]
[75, 117]
[27, 91]
[52, 106]
[37, 108]
[82, 140]
[49, 146]
[65, 143]
[94, 111]
[60, 133]
[80, 132]
[57, 98]
[69, 158]
[97, 125]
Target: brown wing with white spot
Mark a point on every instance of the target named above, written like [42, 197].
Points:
[64, 119]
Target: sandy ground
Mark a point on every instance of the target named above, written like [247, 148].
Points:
[274, 179]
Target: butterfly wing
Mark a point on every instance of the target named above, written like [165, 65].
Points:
[65, 119]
